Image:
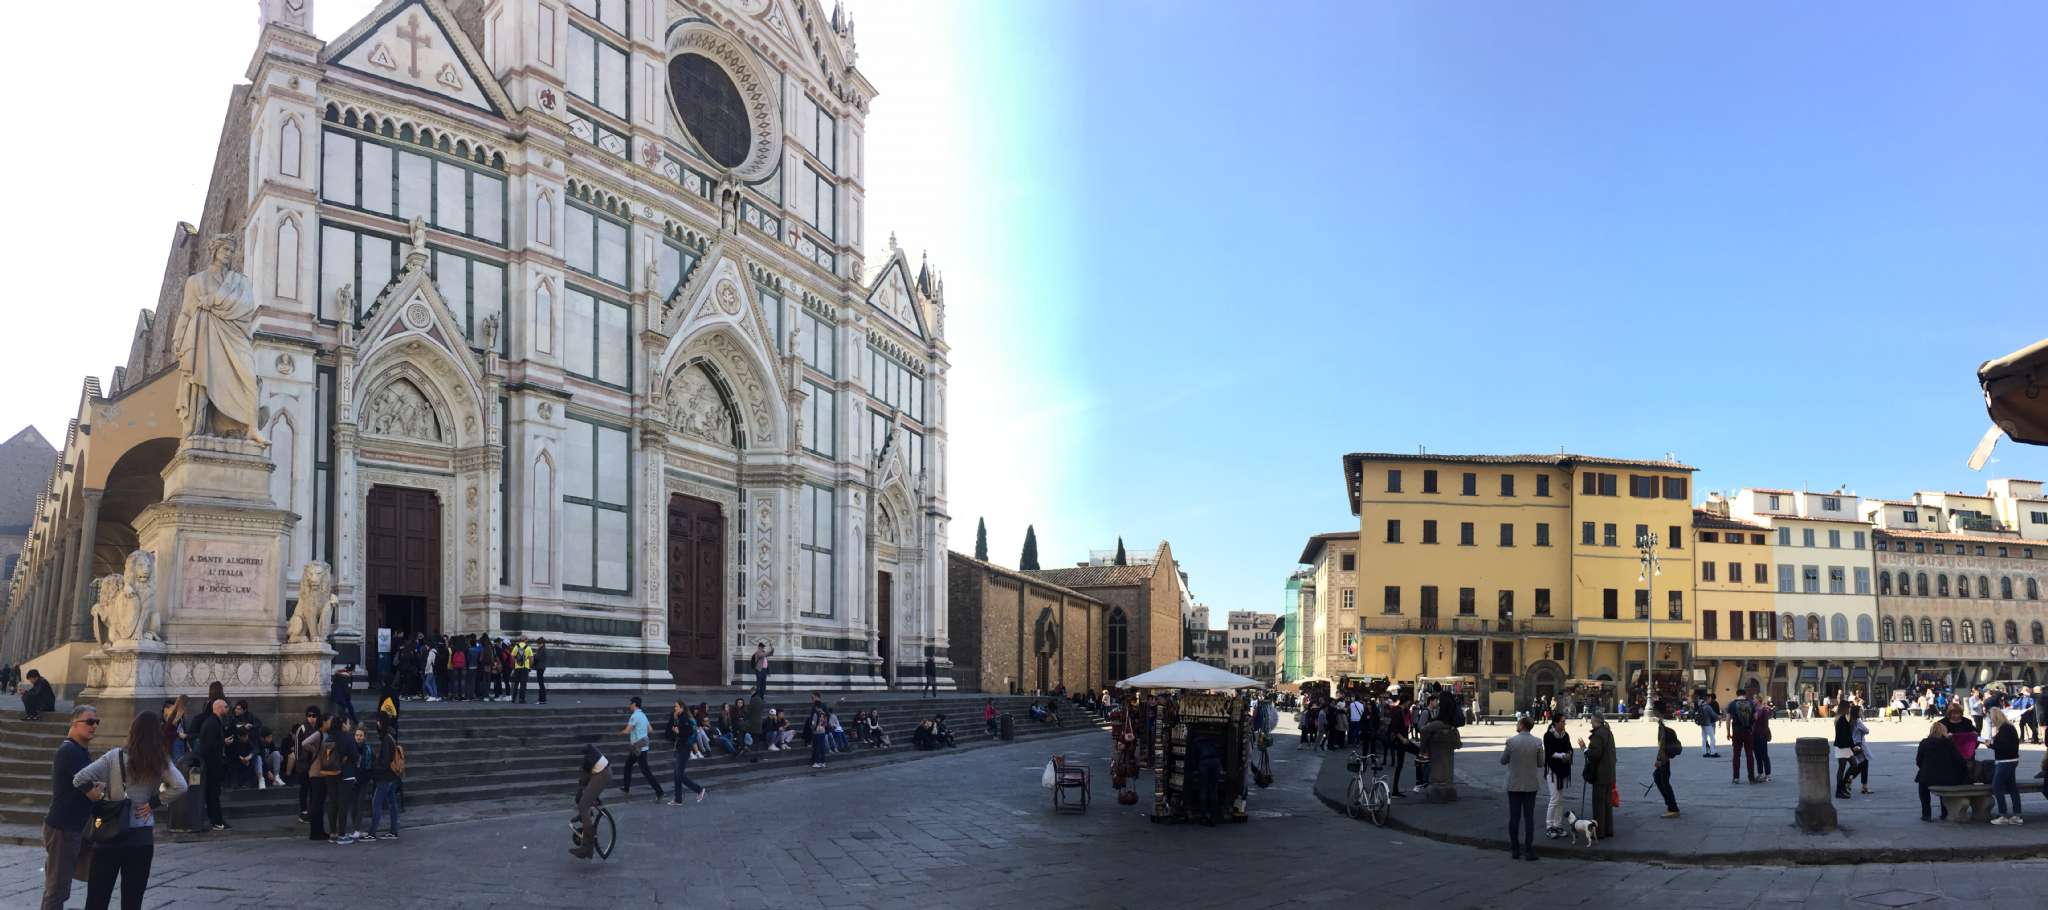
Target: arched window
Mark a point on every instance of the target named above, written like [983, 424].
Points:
[1814, 630]
[1788, 628]
[1948, 632]
[2037, 633]
[1838, 628]
[1990, 634]
[1962, 585]
[1905, 584]
[1927, 629]
[2012, 632]
[2005, 587]
[1921, 585]
[1884, 582]
[1119, 647]
[1983, 586]
[1906, 632]
[2033, 589]
[1969, 633]
[1941, 585]
[1888, 629]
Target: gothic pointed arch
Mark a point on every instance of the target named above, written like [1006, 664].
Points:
[745, 379]
[699, 402]
[414, 365]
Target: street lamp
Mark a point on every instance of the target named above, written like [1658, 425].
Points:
[1651, 568]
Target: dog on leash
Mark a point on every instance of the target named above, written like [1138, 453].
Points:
[1582, 828]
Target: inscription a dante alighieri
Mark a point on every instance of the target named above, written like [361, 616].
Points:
[223, 574]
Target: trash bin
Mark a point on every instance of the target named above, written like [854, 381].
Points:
[1007, 727]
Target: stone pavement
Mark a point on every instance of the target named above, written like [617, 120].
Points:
[1720, 822]
[973, 830]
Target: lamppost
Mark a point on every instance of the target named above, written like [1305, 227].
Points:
[1651, 568]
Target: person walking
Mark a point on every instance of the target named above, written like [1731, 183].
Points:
[1939, 766]
[1742, 735]
[70, 808]
[1523, 756]
[1706, 714]
[1858, 733]
[1354, 723]
[540, 669]
[139, 771]
[1668, 748]
[1557, 762]
[339, 692]
[1845, 753]
[1599, 773]
[387, 768]
[761, 654]
[820, 730]
[931, 673]
[2037, 716]
[636, 731]
[2005, 757]
[213, 755]
[683, 727]
[1760, 737]
[522, 667]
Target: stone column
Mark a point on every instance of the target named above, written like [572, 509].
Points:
[88, 528]
[1816, 811]
[61, 610]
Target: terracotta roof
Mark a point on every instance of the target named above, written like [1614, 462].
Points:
[1702, 518]
[1315, 544]
[26, 461]
[1014, 575]
[1094, 576]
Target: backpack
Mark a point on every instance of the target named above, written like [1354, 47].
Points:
[1742, 713]
[330, 760]
[397, 760]
[1669, 741]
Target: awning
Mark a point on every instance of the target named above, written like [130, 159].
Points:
[2013, 387]
[1190, 674]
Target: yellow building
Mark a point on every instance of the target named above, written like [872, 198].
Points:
[1520, 572]
[1736, 600]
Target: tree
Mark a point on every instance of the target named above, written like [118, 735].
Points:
[1121, 559]
[981, 539]
[1029, 561]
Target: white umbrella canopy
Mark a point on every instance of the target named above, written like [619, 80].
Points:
[1189, 674]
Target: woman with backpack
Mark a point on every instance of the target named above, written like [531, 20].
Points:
[385, 771]
[314, 758]
[339, 763]
[138, 773]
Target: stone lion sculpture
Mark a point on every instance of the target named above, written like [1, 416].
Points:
[316, 604]
[108, 623]
[138, 596]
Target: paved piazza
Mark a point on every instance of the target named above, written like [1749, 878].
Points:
[974, 830]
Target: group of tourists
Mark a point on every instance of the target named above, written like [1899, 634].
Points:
[467, 668]
[1952, 755]
[1747, 722]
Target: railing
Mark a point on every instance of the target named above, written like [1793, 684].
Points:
[1466, 625]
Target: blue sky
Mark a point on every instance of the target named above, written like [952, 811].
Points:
[1775, 241]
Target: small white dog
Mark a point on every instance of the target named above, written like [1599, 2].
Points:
[1585, 828]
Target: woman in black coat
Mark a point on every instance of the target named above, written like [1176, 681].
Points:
[1939, 766]
[1557, 763]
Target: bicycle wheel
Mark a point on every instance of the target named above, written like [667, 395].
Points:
[1354, 798]
[607, 833]
[1378, 803]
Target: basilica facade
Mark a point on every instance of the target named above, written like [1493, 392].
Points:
[566, 328]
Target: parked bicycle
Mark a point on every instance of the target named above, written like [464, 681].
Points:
[1369, 796]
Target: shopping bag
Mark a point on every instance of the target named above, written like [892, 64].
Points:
[1046, 780]
[1614, 791]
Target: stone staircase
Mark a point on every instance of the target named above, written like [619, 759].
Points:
[464, 751]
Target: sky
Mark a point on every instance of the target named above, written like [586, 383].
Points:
[1193, 256]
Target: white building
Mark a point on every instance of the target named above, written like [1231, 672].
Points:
[638, 388]
[1826, 623]
[1253, 649]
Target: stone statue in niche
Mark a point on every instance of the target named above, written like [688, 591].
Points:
[400, 410]
[316, 604]
[416, 232]
[215, 348]
[138, 596]
[696, 408]
[489, 332]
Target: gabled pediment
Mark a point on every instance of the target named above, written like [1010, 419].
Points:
[415, 45]
[891, 293]
[409, 313]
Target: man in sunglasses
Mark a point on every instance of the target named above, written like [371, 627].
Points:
[70, 807]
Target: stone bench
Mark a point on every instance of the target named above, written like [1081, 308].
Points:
[1974, 797]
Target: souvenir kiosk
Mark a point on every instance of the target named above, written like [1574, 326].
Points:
[1208, 704]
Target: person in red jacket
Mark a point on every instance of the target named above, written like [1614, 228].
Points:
[988, 715]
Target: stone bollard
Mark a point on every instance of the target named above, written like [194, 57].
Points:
[1442, 741]
[1816, 812]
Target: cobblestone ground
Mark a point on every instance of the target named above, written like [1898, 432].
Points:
[974, 830]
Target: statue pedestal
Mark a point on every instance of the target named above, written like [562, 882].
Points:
[1815, 813]
[302, 670]
[1442, 742]
[124, 678]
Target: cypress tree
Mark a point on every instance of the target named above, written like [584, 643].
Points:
[1121, 559]
[981, 539]
[1029, 561]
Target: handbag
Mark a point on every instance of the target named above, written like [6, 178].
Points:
[110, 817]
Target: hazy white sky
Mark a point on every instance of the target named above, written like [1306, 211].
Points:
[122, 152]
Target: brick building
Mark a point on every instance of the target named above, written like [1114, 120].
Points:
[1014, 633]
[1145, 600]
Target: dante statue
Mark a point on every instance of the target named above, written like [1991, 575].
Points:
[216, 353]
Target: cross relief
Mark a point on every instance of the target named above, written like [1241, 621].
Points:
[416, 39]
